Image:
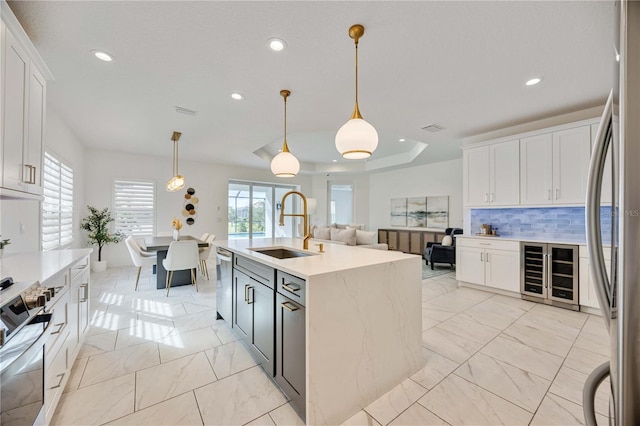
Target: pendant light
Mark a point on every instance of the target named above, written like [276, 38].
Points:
[176, 183]
[357, 138]
[285, 164]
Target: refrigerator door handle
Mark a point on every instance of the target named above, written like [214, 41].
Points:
[594, 238]
[589, 392]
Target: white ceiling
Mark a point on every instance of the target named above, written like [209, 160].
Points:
[461, 65]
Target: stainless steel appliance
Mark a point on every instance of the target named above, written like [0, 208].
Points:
[619, 133]
[24, 328]
[224, 284]
[549, 274]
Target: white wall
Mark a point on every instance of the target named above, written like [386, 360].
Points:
[444, 178]
[209, 180]
[20, 219]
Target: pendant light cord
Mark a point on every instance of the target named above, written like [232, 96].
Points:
[356, 109]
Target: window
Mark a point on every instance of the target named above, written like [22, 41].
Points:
[57, 207]
[134, 207]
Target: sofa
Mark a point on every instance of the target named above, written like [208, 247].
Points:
[444, 252]
[352, 235]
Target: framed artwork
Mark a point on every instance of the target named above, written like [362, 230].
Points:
[398, 212]
[438, 212]
[417, 212]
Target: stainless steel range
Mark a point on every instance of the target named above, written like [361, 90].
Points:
[25, 325]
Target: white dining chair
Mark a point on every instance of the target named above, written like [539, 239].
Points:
[204, 236]
[182, 255]
[205, 252]
[139, 257]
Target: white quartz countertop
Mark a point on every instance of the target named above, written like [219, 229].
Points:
[532, 239]
[39, 266]
[337, 257]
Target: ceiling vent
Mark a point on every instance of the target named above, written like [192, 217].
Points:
[433, 128]
[187, 111]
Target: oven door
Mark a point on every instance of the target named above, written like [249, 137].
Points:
[22, 373]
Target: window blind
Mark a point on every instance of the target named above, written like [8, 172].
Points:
[134, 207]
[57, 207]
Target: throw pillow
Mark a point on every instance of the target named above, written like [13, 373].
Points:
[365, 237]
[447, 240]
[344, 235]
[339, 225]
[359, 226]
[322, 233]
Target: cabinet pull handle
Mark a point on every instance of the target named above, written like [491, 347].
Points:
[486, 197]
[492, 197]
[487, 257]
[290, 287]
[481, 256]
[557, 194]
[289, 308]
[85, 292]
[59, 382]
[60, 327]
[252, 294]
[246, 293]
[548, 194]
[485, 244]
[34, 175]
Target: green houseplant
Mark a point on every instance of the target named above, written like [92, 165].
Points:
[97, 226]
[3, 244]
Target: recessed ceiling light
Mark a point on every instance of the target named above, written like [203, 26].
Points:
[237, 96]
[103, 56]
[533, 81]
[276, 44]
[401, 140]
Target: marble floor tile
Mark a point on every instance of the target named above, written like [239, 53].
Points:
[98, 344]
[472, 294]
[583, 360]
[569, 383]
[113, 322]
[459, 402]
[518, 386]
[361, 418]
[285, 415]
[196, 321]
[514, 302]
[469, 329]
[177, 345]
[564, 316]
[417, 415]
[119, 363]
[550, 325]
[397, 400]
[224, 333]
[436, 368]
[533, 360]
[555, 410]
[593, 343]
[195, 307]
[96, 404]
[539, 338]
[164, 381]
[179, 411]
[428, 323]
[453, 302]
[76, 374]
[449, 345]
[239, 398]
[229, 359]
[264, 420]
[595, 325]
[493, 314]
[142, 333]
[436, 312]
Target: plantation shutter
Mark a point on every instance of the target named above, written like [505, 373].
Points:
[57, 207]
[134, 207]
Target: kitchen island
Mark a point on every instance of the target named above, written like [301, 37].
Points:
[361, 310]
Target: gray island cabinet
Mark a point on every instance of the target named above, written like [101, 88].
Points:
[334, 330]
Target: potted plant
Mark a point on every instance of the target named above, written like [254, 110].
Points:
[97, 227]
[4, 243]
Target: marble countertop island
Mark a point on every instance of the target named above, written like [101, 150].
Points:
[363, 321]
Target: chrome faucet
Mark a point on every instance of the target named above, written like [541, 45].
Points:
[306, 230]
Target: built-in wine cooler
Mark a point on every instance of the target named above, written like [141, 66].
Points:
[549, 274]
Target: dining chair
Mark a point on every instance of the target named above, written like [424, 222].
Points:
[139, 257]
[181, 255]
[204, 236]
[205, 252]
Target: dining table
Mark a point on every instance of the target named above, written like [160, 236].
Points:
[161, 246]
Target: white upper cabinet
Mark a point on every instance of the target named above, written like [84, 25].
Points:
[554, 167]
[491, 175]
[605, 194]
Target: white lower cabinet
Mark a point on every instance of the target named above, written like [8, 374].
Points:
[588, 296]
[493, 264]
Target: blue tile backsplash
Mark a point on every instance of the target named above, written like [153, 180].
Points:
[551, 223]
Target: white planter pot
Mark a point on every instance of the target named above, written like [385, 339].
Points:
[176, 235]
[99, 266]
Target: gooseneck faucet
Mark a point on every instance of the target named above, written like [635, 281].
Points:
[307, 234]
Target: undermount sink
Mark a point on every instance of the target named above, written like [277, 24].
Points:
[281, 252]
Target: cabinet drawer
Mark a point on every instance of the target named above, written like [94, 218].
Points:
[583, 252]
[60, 327]
[57, 370]
[292, 287]
[256, 270]
[79, 269]
[488, 242]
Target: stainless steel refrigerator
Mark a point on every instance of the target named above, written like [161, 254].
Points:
[619, 297]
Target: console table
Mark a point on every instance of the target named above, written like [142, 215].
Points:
[409, 240]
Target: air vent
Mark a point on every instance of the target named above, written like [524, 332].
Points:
[433, 128]
[187, 111]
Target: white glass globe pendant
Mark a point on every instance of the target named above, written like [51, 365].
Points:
[285, 164]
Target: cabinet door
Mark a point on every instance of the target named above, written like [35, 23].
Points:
[416, 246]
[403, 241]
[571, 152]
[16, 73]
[475, 171]
[261, 299]
[382, 236]
[243, 314]
[33, 148]
[83, 308]
[504, 160]
[605, 194]
[536, 169]
[291, 349]
[393, 240]
[470, 265]
[502, 270]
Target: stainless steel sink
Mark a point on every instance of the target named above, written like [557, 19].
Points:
[281, 252]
